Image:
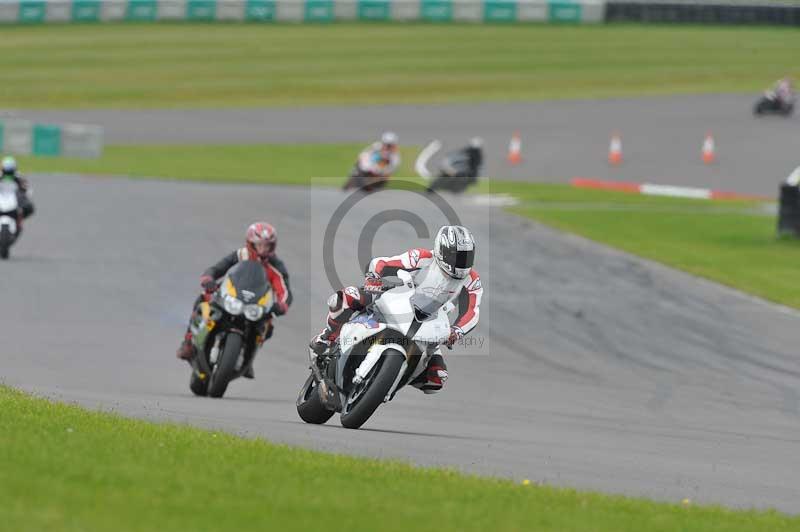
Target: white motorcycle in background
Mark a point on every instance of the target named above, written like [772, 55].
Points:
[9, 216]
[380, 350]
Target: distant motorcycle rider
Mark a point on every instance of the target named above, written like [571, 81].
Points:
[260, 243]
[444, 273]
[378, 161]
[9, 169]
[782, 92]
[460, 168]
[466, 162]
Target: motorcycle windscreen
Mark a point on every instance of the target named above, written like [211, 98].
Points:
[250, 280]
[433, 290]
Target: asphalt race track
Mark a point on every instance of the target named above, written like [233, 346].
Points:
[661, 136]
[598, 370]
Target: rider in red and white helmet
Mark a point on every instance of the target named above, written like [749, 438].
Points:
[260, 243]
[261, 240]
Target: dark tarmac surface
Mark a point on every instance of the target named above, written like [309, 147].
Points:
[662, 136]
[598, 370]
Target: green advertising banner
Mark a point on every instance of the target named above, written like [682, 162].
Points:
[86, 10]
[201, 9]
[259, 10]
[499, 11]
[32, 11]
[564, 11]
[141, 10]
[436, 10]
[46, 140]
[489, 11]
[319, 11]
[374, 10]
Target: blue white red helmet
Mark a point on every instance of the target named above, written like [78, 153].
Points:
[454, 250]
[262, 239]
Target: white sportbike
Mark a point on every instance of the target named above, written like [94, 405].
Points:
[380, 350]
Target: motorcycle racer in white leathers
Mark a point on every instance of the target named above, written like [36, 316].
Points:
[382, 158]
[442, 275]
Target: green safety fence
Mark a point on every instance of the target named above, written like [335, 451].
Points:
[319, 11]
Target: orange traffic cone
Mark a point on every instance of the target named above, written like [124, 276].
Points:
[709, 151]
[515, 149]
[615, 150]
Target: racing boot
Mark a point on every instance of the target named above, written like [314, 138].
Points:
[263, 336]
[433, 378]
[320, 344]
[186, 350]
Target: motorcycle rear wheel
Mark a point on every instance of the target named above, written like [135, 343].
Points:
[355, 414]
[309, 404]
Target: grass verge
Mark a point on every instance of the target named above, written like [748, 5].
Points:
[733, 243]
[291, 164]
[66, 468]
[730, 242]
[234, 65]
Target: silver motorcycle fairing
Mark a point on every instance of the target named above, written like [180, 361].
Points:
[8, 206]
[353, 333]
[434, 330]
[395, 304]
[397, 310]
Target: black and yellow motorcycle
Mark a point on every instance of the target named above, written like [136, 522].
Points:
[228, 328]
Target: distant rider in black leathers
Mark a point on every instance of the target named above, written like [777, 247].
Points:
[460, 168]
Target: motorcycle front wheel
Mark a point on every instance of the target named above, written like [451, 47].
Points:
[5, 242]
[365, 398]
[197, 385]
[226, 367]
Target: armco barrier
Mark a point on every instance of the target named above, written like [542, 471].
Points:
[705, 12]
[491, 11]
[22, 137]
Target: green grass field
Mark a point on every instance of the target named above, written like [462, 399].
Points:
[291, 164]
[233, 65]
[96, 472]
[733, 243]
[730, 242]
